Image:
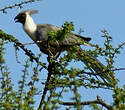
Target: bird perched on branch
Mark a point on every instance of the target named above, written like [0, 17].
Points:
[39, 34]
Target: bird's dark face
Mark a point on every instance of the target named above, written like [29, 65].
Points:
[21, 18]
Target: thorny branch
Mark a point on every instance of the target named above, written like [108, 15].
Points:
[45, 88]
[97, 101]
[94, 74]
[17, 5]
[31, 55]
[50, 72]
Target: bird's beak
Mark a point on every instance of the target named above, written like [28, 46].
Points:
[16, 19]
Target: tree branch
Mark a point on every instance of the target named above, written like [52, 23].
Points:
[51, 69]
[45, 90]
[97, 101]
[17, 5]
[10, 38]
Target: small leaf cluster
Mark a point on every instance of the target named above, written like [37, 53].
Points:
[119, 98]
[62, 33]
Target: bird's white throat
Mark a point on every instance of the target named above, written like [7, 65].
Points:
[30, 26]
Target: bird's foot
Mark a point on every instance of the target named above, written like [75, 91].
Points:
[52, 59]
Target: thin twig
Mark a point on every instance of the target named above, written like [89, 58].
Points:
[115, 69]
[31, 43]
[97, 101]
[17, 5]
[30, 54]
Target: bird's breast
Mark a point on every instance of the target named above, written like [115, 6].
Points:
[30, 32]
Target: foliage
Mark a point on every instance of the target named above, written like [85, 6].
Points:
[63, 77]
[62, 33]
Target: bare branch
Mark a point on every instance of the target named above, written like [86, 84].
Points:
[115, 69]
[45, 90]
[17, 5]
[97, 101]
[118, 69]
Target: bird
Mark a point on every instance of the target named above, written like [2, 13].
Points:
[38, 33]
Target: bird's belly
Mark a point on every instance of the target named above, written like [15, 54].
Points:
[44, 48]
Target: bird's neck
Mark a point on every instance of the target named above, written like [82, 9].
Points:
[30, 26]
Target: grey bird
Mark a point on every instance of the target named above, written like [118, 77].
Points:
[38, 32]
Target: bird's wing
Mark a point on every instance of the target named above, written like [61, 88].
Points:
[70, 40]
[73, 39]
[43, 29]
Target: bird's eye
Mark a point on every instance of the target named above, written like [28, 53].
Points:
[23, 15]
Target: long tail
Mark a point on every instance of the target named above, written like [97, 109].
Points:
[95, 66]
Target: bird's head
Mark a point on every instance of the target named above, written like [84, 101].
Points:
[21, 17]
